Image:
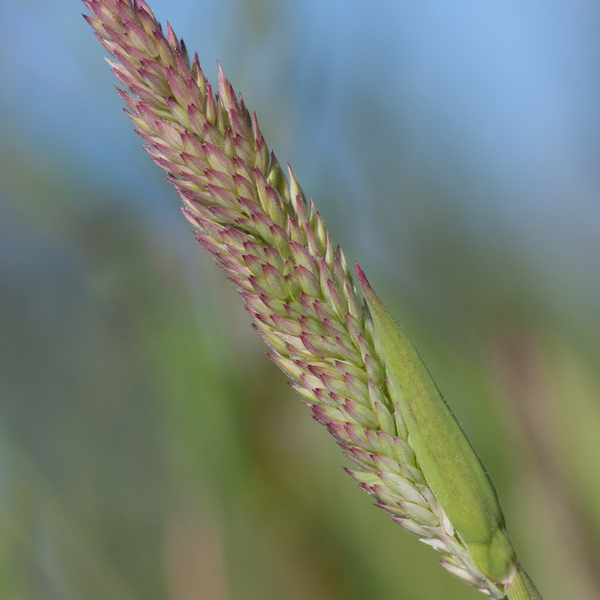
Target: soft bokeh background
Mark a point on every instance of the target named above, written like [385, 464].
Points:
[148, 449]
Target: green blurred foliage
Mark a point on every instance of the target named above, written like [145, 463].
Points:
[149, 449]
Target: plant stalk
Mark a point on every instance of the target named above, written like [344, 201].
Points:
[521, 587]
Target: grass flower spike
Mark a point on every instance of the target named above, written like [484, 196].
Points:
[352, 364]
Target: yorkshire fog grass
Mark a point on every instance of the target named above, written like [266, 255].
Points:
[351, 363]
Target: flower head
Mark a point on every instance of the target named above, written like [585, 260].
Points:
[295, 283]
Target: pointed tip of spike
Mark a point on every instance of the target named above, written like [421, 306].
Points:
[362, 279]
[373, 302]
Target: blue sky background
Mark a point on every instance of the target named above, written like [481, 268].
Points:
[501, 97]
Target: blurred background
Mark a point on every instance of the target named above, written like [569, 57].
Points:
[148, 448]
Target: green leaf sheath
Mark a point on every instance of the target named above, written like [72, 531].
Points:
[452, 469]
